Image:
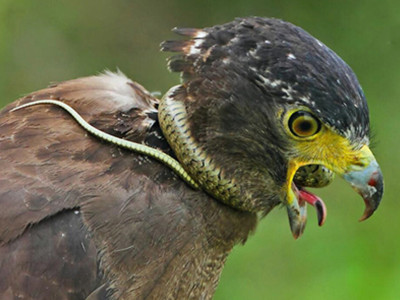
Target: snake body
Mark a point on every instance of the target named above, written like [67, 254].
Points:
[173, 122]
[135, 147]
[193, 160]
[315, 176]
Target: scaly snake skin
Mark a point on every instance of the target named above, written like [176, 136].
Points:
[316, 176]
[173, 122]
[139, 148]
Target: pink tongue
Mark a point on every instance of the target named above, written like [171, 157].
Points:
[316, 202]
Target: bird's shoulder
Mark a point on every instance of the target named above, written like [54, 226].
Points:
[49, 163]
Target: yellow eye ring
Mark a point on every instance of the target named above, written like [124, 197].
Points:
[303, 124]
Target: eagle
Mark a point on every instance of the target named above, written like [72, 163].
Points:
[107, 192]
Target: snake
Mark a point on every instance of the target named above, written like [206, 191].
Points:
[162, 157]
[315, 176]
[193, 161]
[174, 124]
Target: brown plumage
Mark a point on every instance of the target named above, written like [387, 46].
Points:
[82, 217]
[260, 100]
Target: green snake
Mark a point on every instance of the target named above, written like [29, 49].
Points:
[173, 122]
[135, 147]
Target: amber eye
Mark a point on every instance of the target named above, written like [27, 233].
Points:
[303, 124]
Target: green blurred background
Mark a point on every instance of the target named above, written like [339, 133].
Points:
[43, 41]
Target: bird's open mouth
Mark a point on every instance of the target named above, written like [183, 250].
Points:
[303, 196]
[364, 175]
[315, 176]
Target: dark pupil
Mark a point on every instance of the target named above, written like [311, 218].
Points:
[304, 126]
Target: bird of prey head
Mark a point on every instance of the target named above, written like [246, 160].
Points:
[265, 110]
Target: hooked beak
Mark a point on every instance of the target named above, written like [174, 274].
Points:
[366, 179]
[362, 172]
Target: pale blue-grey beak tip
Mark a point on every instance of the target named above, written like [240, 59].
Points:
[368, 182]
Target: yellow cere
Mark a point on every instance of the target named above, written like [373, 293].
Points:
[333, 151]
